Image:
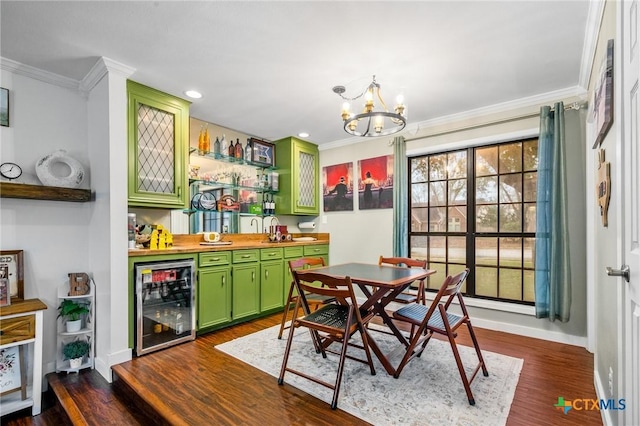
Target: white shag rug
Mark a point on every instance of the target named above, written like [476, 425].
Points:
[429, 390]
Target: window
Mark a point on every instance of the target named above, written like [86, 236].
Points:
[476, 208]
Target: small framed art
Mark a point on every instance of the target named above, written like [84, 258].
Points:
[12, 270]
[263, 153]
[4, 107]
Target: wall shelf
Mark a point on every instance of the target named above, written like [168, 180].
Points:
[39, 192]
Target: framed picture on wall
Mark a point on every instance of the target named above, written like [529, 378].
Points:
[337, 187]
[603, 98]
[375, 183]
[12, 269]
[263, 153]
[4, 107]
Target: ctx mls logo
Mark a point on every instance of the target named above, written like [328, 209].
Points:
[589, 404]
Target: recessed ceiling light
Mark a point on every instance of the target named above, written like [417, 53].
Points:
[193, 94]
[303, 134]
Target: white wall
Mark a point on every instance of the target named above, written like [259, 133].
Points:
[53, 234]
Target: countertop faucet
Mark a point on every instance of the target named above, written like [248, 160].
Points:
[276, 219]
[251, 224]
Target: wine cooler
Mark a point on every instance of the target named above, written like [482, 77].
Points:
[165, 304]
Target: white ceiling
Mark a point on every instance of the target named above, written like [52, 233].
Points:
[267, 68]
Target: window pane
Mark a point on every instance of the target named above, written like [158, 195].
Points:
[487, 190]
[530, 190]
[438, 219]
[418, 247]
[487, 282]
[487, 161]
[419, 220]
[529, 217]
[529, 286]
[437, 193]
[529, 250]
[437, 250]
[510, 284]
[419, 194]
[458, 191]
[510, 218]
[510, 158]
[511, 252]
[419, 169]
[487, 219]
[435, 281]
[486, 251]
[457, 219]
[511, 188]
[531, 155]
[438, 167]
[457, 167]
[457, 250]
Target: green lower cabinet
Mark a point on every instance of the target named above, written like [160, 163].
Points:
[246, 290]
[317, 251]
[214, 297]
[271, 285]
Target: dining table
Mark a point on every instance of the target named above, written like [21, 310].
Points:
[380, 284]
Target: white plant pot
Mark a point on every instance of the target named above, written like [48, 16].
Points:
[73, 326]
[75, 362]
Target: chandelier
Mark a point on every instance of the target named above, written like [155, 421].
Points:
[372, 122]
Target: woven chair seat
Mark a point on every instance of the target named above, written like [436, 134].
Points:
[416, 313]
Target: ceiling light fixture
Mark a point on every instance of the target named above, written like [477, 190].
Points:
[193, 94]
[371, 122]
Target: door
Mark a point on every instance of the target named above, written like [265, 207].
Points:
[630, 67]
[214, 297]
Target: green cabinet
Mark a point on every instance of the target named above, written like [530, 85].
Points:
[299, 178]
[158, 148]
[271, 279]
[246, 284]
[214, 289]
[317, 251]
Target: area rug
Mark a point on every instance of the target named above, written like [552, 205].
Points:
[428, 392]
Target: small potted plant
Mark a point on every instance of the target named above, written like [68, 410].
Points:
[75, 352]
[72, 311]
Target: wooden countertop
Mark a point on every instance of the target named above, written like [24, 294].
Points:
[190, 243]
[22, 306]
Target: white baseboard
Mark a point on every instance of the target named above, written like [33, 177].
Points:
[104, 368]
[601, 394]
[536, 333]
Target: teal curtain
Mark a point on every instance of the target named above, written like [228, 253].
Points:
[400, 194]
[552, 269]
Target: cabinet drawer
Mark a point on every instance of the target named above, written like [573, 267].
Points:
[241, 256]
[214, 258]
[294, 252]
[17, 329]
[316, 250]
[272, 253]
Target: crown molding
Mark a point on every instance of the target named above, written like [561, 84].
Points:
[592, 29]
[38, 74]
[102, 67]
[532, 102]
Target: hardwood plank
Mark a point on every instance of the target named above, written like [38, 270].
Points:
[197, 384]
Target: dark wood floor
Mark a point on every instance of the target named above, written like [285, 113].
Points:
[194, 384]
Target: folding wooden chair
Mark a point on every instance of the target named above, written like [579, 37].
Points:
[437, 319]
[313, 300]
[337, 322]
[405, 296]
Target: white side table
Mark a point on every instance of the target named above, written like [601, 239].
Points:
[21, 328]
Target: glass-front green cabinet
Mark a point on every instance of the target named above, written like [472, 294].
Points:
[299, 181]
[158, 138]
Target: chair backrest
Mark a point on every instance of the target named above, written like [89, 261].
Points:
[341, 289]
[451, 288]
[403, 261]
[306, 262]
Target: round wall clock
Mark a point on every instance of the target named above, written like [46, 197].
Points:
[10, 171]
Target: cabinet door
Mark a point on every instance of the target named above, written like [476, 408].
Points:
[214, 297]
[305, 183]
[299, 184]
[271, 285]
[246, 290]
[158, 138]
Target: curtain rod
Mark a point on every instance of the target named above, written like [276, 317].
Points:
[574, 105]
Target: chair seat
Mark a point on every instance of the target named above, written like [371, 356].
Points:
[416, 312]
[406, 298]
[318, 298]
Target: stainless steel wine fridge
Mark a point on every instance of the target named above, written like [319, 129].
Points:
[165, 304]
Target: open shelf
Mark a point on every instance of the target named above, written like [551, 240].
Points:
[40, 192]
